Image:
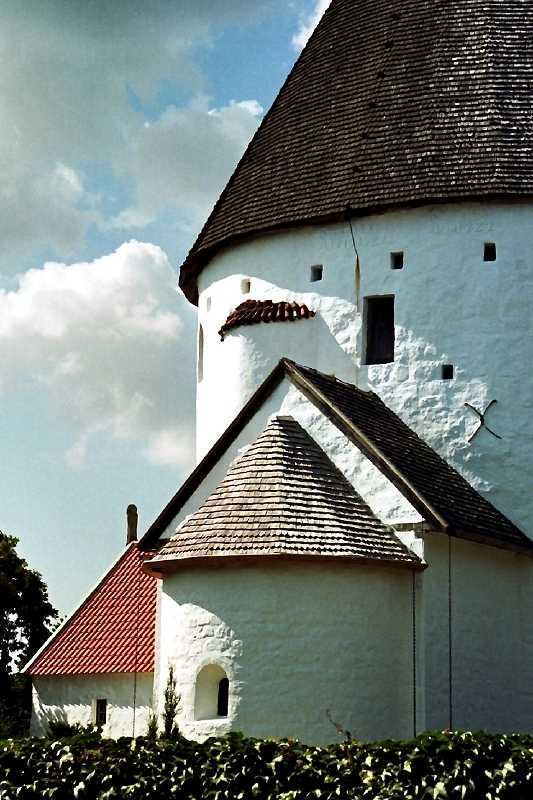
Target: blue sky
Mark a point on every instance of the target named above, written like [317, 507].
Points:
[120, 125]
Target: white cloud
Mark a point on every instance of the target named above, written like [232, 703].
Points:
[113, 345]
[66, 100]
[309, 23]
[183, 159]
[169, 447]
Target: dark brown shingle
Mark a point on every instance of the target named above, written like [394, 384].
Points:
[389, 104]
[285, 497]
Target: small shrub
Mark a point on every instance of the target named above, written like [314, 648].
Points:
[171, 707]
[153, 728]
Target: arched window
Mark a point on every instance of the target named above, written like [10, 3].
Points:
[212, 693]
[200, 354]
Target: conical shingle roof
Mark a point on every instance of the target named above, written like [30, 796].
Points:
[390, 103]
[284, 496]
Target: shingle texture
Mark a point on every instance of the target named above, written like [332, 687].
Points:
[252, 312]
[442, 487]
[284, 496]
[113, 630]
[391, 103]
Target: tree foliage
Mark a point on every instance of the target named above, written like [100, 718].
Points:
[26, 616]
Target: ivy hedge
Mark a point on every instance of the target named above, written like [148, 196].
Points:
[467, 766]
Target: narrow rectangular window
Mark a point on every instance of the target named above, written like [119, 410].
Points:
[100, 716]
[200, 366]
[379, 328]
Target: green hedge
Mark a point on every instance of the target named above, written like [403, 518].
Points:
[439, 765]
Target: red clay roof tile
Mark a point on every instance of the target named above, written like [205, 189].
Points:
[114, 628]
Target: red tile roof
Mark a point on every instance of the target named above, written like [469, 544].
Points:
[114, 628]
[252, 312]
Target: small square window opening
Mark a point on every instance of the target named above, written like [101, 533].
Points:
[100, 717]
[396, 260]
[316, 273]
[246, 285]
[447, 372]
[489, 251]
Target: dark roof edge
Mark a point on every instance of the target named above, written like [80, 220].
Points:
[213, 456]
[158, 567]
[198, 257]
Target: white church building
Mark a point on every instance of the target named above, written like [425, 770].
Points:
[356, 541]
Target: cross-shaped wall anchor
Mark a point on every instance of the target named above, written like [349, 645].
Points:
[482, 423]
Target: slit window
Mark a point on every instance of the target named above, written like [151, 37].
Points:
[396, 260]
[223, 697]
[317, 273]
[200, 354]
[447, 373]
[208, 304]
[489, 251]
[246, 285]
[100, 712]
[379, 330]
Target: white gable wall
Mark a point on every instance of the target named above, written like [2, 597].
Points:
[71, 698]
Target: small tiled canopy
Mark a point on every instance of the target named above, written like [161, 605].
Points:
[252, 312]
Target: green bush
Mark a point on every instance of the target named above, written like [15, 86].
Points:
[465, 766]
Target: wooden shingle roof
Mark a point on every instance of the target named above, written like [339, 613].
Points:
[390, 104]
[284, 496]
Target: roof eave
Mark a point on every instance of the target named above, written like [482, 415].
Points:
[160, 567]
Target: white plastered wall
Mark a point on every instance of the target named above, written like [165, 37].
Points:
[71, 698]
[296, 639]
[451, 307]
[491, 636]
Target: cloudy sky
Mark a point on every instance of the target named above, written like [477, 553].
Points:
[120, 123]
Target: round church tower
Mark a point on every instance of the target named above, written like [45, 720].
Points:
[380, 227]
